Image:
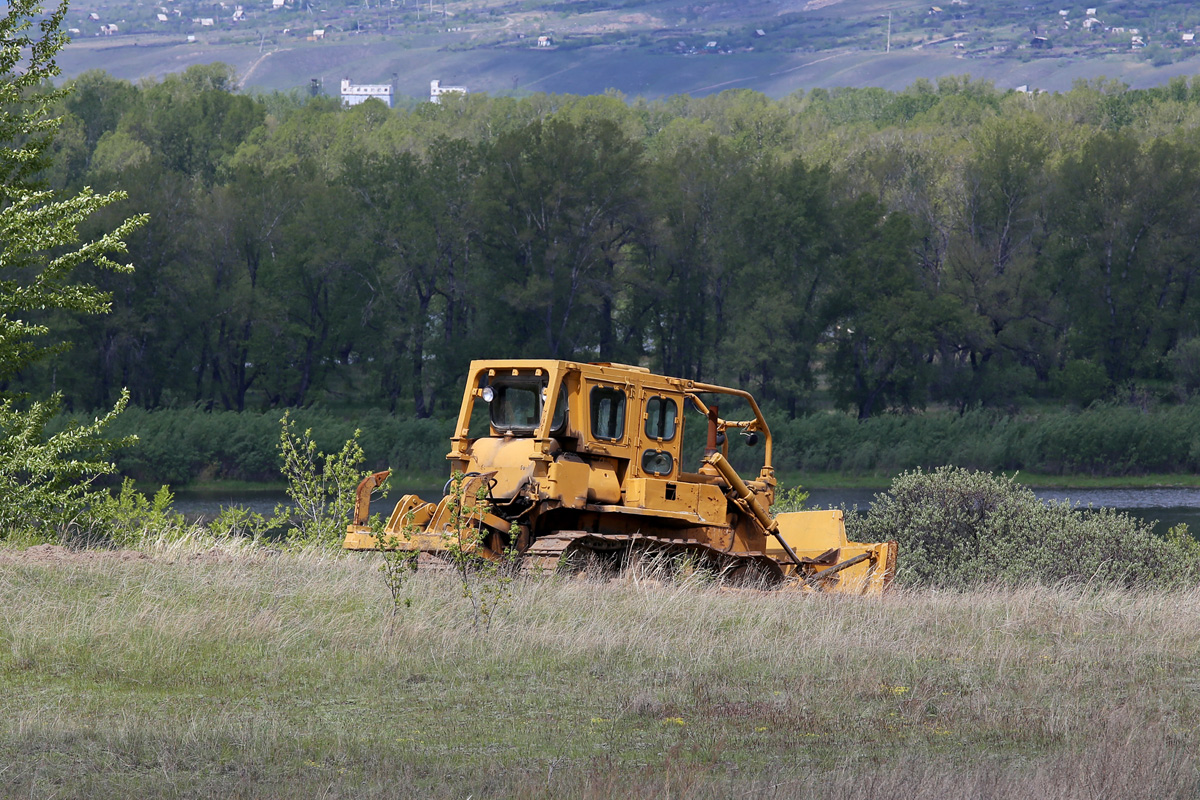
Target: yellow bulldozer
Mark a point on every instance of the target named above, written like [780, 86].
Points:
[565, 462]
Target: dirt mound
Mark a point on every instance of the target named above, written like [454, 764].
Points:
[58, 554]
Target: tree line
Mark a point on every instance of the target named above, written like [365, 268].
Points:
[950, 244]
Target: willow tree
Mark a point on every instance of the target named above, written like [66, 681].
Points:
[45, 480]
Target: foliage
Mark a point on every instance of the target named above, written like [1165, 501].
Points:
[127, 517]
[791, 499]
[959, 528]
[1106, 439]
[45, 480]
[236, 521]
[949, 245]
[1103, 439]
[181, 446]
[484, 566]
[321, 485]
[396, 565]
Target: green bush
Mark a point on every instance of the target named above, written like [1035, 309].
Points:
[1081, 382]
[958, 528]
[180, 446]
[1104, 439]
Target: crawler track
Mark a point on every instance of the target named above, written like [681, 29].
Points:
[558, 550]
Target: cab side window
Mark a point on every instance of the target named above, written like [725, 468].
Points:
[608, 413]
[660, 418]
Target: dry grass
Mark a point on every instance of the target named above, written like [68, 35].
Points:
[221, 671]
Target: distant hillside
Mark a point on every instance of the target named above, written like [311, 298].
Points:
[638, 48]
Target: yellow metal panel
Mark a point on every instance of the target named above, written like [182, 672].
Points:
[682, 516]
[603, 486]
[813, 532]
[509, 458]
[567, 482]
[705, 503]
[711, 503]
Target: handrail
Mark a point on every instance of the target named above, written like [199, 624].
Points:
[759, 423]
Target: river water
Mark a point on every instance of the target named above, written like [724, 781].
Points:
[1165, 507]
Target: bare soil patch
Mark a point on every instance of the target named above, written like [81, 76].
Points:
[59, 554]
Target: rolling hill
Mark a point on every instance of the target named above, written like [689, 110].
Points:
[646, 49]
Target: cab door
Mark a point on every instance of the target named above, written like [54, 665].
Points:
[660, 434]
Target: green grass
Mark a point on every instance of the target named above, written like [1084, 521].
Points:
[238, 673]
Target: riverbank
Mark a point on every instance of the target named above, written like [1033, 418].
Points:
[841, 480]
[228, 672]
[1115, 446]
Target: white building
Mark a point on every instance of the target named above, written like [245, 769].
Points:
[353, 94]
[436, 90]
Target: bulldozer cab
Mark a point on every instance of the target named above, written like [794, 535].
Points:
[602, 413]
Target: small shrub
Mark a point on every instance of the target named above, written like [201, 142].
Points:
[128, 517]
[959, 528]
[396, 565]
[788, 500]
[321, 485]
[486, 582]
[235, 521]
[47, 475]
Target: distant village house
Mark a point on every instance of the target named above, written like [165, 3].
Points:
[355, 93]
[436, 90]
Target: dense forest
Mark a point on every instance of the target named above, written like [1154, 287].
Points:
[950, 245]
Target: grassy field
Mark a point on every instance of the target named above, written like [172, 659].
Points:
[211, 671]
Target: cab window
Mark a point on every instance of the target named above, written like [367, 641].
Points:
[608, 413]
[517, 405]
[657, 462]
[559, 420]
[660, 418]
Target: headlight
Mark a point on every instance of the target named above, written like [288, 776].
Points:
[487, 394]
